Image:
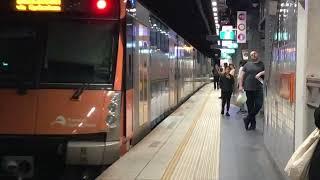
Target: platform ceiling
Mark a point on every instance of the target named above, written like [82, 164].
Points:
[193, 19]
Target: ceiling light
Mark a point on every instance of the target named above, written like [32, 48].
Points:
[216, 18]
[216, 21]
[215, 14]
[214, 3]
[215, 9]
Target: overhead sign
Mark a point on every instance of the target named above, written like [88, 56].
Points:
[230, 44]
[38, 5]
[228, 35]
[228, 51]
[242, 27]
[227, 28]
[225, 56]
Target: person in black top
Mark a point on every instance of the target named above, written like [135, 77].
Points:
[251, 81]
[227, 85]
[221, 72]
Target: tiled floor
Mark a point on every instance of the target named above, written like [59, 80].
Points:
[186, 145]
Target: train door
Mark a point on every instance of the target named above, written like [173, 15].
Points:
[141, 81]
[193, 69]
[144, 83]
[172, 73]
[129, 78]
[178, 71]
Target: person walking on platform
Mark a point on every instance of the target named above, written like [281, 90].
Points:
[251, 82]
[227, 85]
[221, 72]
[216, 77]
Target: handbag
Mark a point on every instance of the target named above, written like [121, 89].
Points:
[298, 166]
[241, 99]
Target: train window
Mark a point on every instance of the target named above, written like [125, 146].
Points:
[153, 38]
[153, 32]
[158, 36]
[79, 52]
[166, 47]
[18, 51]
[162, 41]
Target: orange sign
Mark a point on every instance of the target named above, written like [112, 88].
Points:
[39, 5]
[287, 86]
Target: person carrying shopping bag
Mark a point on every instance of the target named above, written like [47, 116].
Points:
[251, 82]
[305, 162]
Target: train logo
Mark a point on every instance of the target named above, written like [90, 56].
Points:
[60, 120]
[73, 123]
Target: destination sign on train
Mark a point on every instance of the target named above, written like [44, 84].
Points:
[39, 5]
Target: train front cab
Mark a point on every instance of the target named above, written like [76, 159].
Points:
[61, 82]
[80, 85]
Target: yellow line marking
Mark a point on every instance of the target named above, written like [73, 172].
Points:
[174, 161]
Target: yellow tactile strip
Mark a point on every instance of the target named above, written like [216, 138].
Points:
[198, 154]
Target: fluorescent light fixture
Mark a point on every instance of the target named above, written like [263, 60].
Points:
[214, 3]
[214, 9]
[216, 18]
[215, 14]
[216, 21]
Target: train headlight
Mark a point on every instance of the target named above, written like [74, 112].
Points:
[114, 108]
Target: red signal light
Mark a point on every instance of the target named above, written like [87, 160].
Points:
[102, 4]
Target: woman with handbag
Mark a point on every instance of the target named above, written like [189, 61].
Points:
[305, 162]
[314, 171]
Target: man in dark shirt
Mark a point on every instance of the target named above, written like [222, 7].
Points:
[251, 81]
[227, 85]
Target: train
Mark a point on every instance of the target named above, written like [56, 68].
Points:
[82, 81]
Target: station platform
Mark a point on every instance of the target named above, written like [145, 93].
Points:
[197, 143]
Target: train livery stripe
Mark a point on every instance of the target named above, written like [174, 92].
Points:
[119, 67]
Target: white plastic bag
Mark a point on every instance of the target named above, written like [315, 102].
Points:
[299, 163]
[242, 98]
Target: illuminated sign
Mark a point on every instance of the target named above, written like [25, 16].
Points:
[38, 5]
[228, 35]
[228, 51]
[230, 44]
[281, 36]
[225, 56]
[241, 27]
[227, 28]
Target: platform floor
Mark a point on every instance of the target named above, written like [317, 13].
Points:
[196, 142]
